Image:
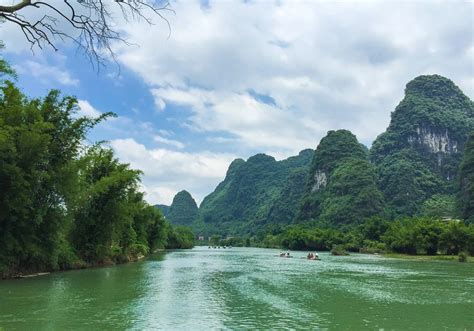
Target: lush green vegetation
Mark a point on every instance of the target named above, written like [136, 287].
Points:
[255, 193]
[419, 154]
[183, 210]
[342, 187]
[180, 237]
[413, 236]
[63, 204]
[164, 209]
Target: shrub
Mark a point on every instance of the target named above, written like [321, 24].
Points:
[462, 257]
[338, 250]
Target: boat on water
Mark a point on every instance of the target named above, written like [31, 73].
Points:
[286, 255]
[314, 259]
[312, 256]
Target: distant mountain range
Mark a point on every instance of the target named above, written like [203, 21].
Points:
[411, 169]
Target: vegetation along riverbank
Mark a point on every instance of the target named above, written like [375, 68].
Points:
[65, 204]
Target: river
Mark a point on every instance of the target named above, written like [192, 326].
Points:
[246, 288]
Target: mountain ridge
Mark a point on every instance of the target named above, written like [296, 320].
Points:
[411, 165]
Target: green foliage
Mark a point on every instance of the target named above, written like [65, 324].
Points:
[332, 149]
[339, 250]
[255, 193]
[414, 236]
[457, 237]
[343, 187]
[419, 154]
[39, 143]
[282, 210]
[352, 194]
[422, 235]
[180, 237]
[406, 183]
[307, 238]
[164, 209]
[439, 205]
[63, 205]
[215, 240]
[183, 210]
[466, 182]
[462, 257]
[105, 211]
[5, 68]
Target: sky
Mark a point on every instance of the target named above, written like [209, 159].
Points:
[236, 78]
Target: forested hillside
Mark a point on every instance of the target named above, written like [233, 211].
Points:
[412, 169]
[342, 185]
[255, 193]
[183, 210]
[419, 154]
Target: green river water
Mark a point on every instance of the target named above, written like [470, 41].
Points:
[246, 288]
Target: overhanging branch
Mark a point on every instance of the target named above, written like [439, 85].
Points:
[91, 19]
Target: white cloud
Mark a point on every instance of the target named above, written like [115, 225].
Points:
[47, 73]
[167, 171]
[325, 65]
[166, 133]
[254, 124]
[86, 109]
[160, 104]
[166, 141]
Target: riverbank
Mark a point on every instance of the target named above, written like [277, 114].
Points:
[470, 259]
[78, 266]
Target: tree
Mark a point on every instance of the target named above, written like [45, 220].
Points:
[63, 204]
[427, 235]
[180, 237]
[39, 142]
[88, 23]
[439, 205]
[104, 216]
[456, 238]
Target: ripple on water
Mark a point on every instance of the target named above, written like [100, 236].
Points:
[205, 289]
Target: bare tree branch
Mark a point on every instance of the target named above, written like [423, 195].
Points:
[16, 7]
[91, 19]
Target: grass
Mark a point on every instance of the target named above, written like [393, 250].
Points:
[426, 257]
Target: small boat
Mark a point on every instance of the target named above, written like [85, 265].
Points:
[312, 256]
[287, 255]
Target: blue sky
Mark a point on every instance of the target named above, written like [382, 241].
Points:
[237, 78]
